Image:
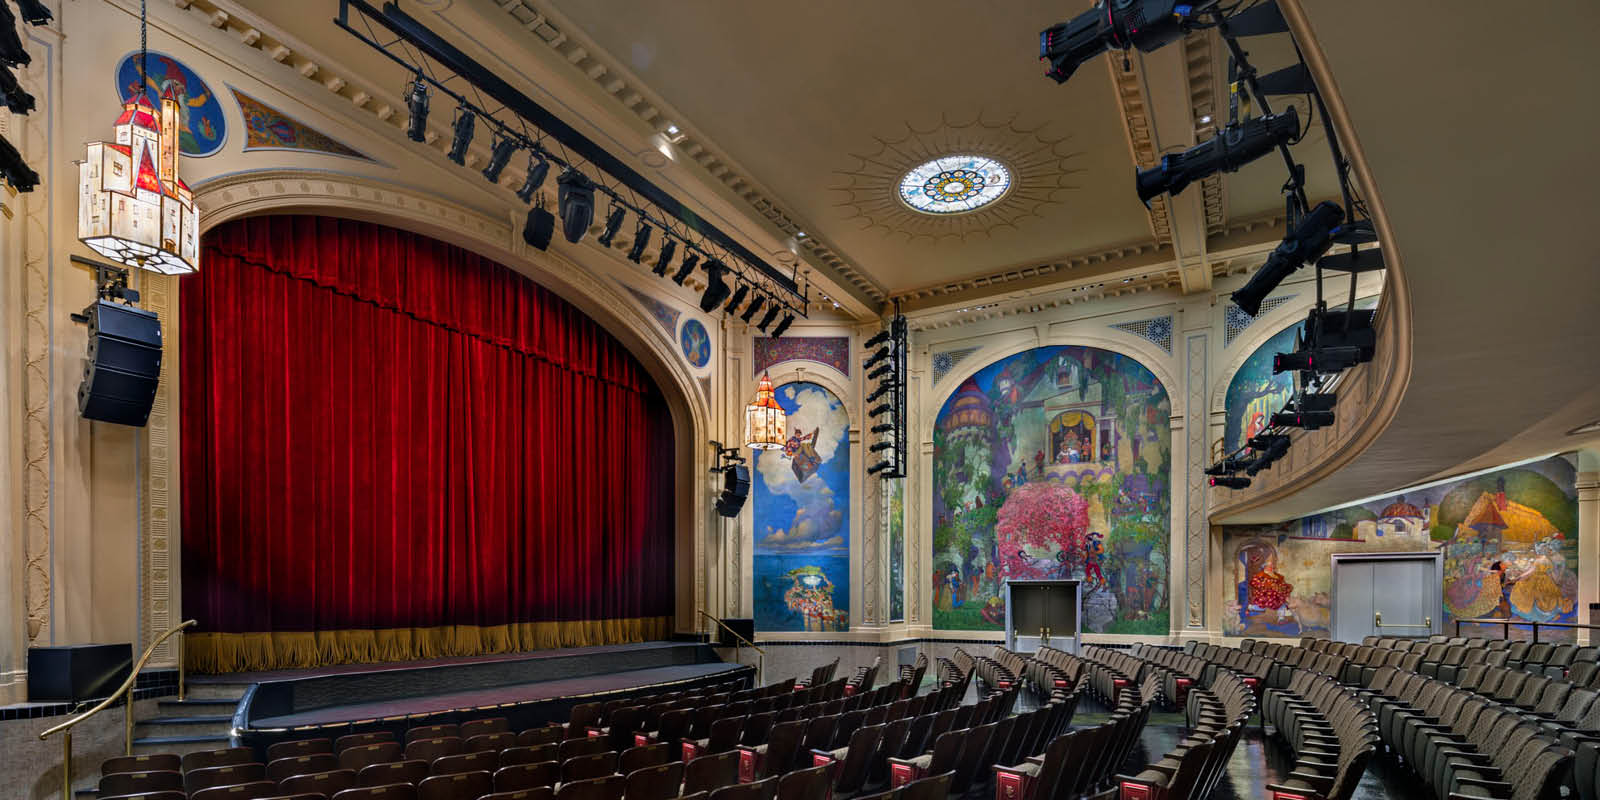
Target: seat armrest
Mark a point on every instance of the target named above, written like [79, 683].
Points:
[1277, 791]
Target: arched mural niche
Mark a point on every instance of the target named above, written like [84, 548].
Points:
[1054, 462]
[801, 515]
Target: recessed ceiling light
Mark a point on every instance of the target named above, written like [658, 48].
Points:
[673, 129]
[800, 235]
[954, 184]
[1205, 120]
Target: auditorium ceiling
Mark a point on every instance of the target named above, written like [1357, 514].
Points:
[808, 116]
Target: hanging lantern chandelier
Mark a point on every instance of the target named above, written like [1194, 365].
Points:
[132, 207]
[764, 420]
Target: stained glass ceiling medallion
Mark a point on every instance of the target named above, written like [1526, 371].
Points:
[955, 184]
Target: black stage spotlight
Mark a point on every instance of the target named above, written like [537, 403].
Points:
[613, 224]
[417, 105]
[716, 288]
[1315, 402]
[1231, 482]
[1114, 25]
[641, 239]
[1272, 447]
[750, 310]
[465, 123]
[541, 226]
[15, 170]
[1236, 146]
[1307, 420]
[663, 258]
[11, 50]
[767, 318]
[686, 268]
[504, 146]
[882, 390]
[1321, 359]
[17, 99]
[883, 353]
[538, 168]
[738, 297]
[34, 12]
[575, 203]
[783, 325]
[1229, 465]
[878, 338]
[1309, 240]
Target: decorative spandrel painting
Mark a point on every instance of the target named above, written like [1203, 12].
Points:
[1255, 394]
[1509, 540]
[1054, 463]
[201, 128]
[802, 517]
[895, 494]
[696, 343]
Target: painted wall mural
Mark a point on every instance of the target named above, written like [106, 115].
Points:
[1255, 394]
[831, 350]
[201, 127]
[896, 512]
[267, 128]
[1054, 462]
[1509, 540]
[696, 343]
[802, 517]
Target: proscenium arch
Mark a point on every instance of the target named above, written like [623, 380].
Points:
[238, 195]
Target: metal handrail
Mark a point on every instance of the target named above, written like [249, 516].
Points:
[1507, 622]
[126, 689]
[761, 655]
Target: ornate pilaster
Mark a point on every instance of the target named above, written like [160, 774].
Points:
[160, 491]
[1195, 528]
[31, 134]
[1588, 486]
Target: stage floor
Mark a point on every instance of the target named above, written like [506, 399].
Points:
[401, 666]
[567, 688]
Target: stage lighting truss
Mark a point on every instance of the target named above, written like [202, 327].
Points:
[1336, 339]
[887, 364]
[485, 100]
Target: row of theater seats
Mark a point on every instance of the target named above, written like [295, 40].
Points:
[1331, 731]
[1441, 656]
[1216, 714]
[1082, 763]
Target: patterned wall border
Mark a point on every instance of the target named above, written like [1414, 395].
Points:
[37, 289]
[832, 351]
[160, 492]
[1156, 329]
[1195, 540]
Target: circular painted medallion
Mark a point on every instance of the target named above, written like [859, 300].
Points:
[696, 343]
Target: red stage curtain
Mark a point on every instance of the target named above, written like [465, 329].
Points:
[387, 435]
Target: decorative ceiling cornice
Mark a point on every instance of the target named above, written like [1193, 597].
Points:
[1165, 278]
[1199, 53]
[1128, 82]
[1040, 165]
[535, 18]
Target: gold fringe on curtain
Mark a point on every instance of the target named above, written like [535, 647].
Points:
[250, 652]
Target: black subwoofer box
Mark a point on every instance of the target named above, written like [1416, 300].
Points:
[745, 627]
[76, 672]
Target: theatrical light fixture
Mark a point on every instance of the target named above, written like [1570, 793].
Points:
[613, 224]
[417, 106]
[1114, 25]
[1231, 482]
[1321, 359]
[686, 268]
[641, 240]
[466, 122]
[17, 99]
[34, 12]
[716, 288]
[540, 227]
[538, 169]
[12, 53]
[663, 258]
[1307, 242]
[738, 297]
[1228, 465]
[877, 468]
[504, 146]
[883, 353]
[750, 310]
[1308, 420]
[878, 338]
[883, 427]
[767, 318]
[575, 203]
[880, 409]
[783, 325]
[16, 171]
[1236, 146]
[1269, 448]
[880, 372]
[879, 392]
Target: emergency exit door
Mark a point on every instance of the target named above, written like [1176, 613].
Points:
[1386, 594]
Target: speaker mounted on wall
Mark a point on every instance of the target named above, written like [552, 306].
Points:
[735, 489]
[123, 366]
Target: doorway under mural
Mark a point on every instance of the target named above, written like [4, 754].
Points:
[801, 517]
[1054, 463]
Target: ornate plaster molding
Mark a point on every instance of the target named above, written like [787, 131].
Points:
[32, 135]
[160, 492]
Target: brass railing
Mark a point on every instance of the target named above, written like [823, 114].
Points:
[126, 690]
[761, 655]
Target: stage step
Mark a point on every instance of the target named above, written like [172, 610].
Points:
[216, 690]
[191, 707]
[181, 745]
[207, 725]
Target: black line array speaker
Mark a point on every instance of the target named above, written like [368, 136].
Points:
[124, 365]
[735, 488]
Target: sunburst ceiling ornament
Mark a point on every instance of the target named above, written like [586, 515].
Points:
[955, 184]
[954, 180]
